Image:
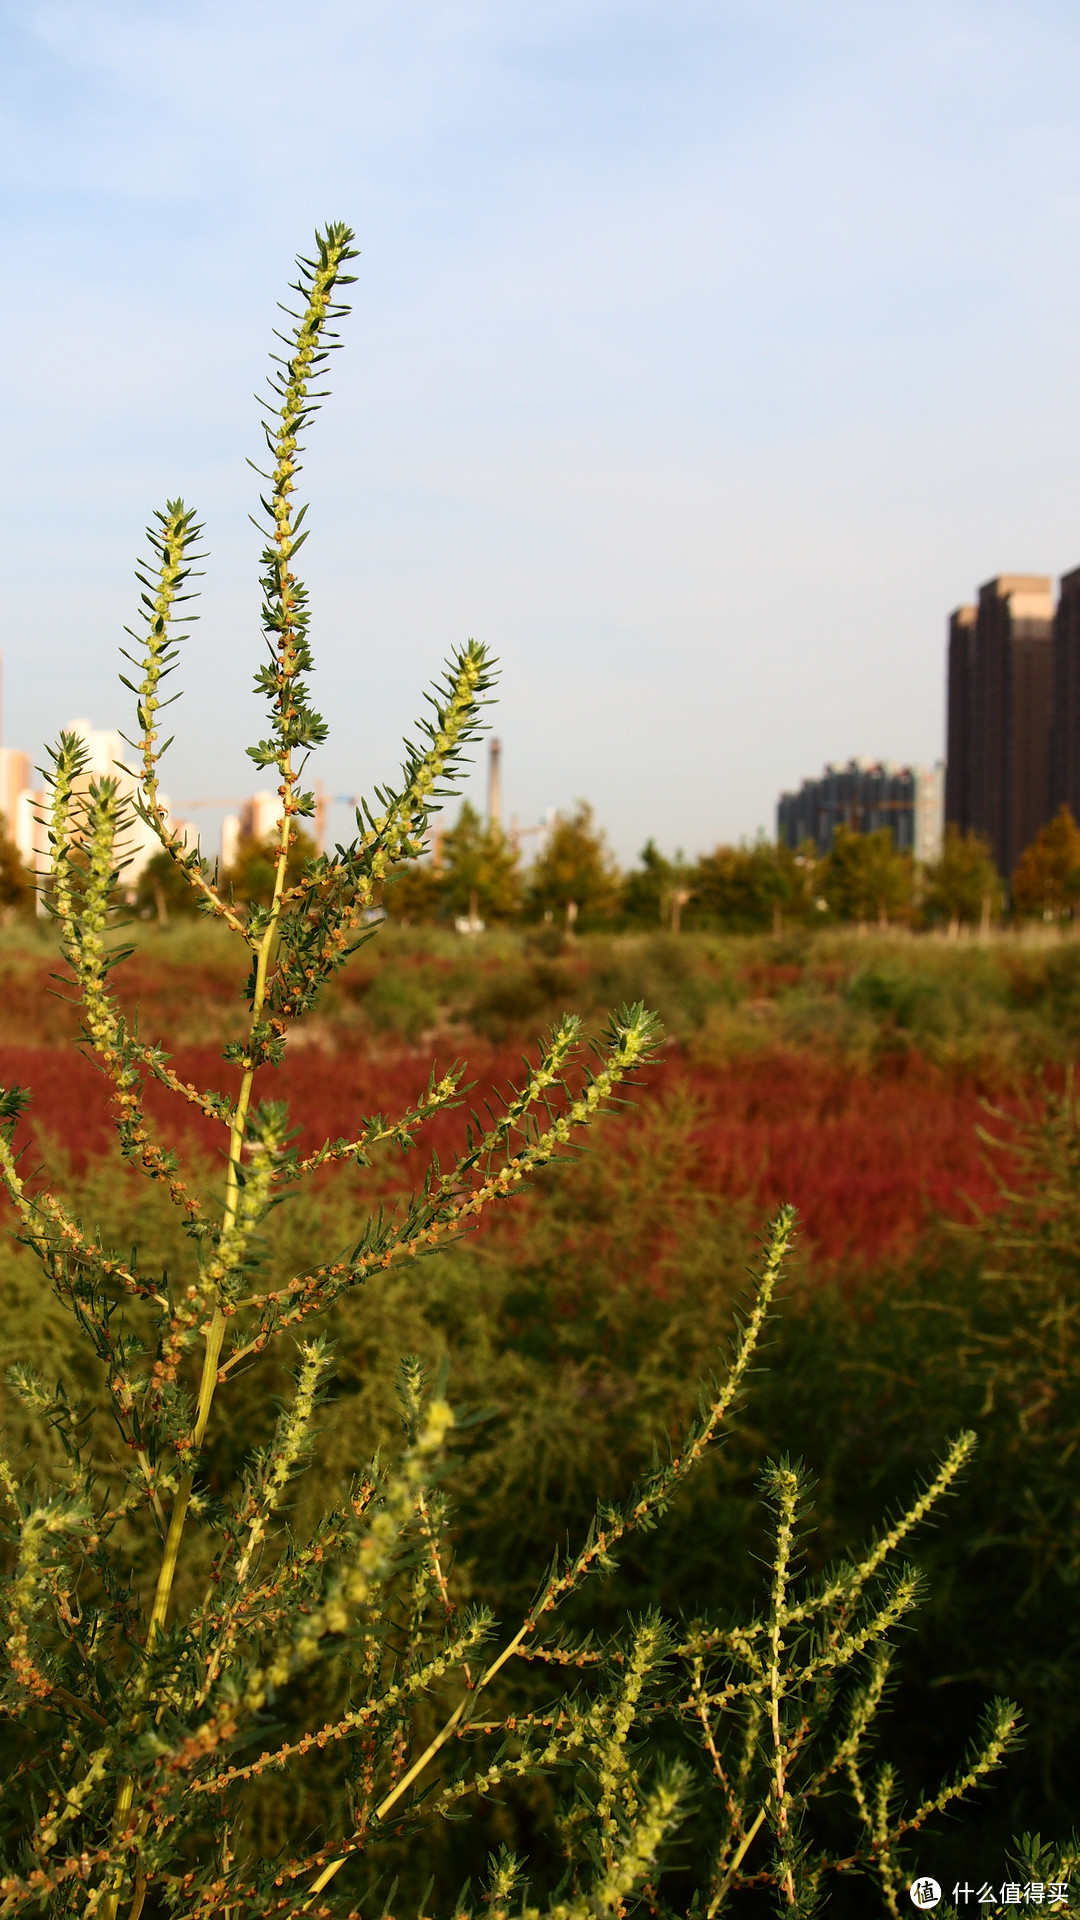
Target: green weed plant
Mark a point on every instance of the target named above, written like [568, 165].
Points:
[164, 1613]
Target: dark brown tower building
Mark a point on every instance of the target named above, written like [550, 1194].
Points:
[960, 696]
[1000, 782]
[1065, 751]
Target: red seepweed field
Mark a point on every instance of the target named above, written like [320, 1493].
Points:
[848, 1076]
[866, 1154]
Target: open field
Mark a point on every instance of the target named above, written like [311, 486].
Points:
[848, 1074]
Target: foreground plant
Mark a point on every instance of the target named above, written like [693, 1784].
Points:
[165, 1625]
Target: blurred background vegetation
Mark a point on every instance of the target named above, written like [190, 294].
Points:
[476, 872]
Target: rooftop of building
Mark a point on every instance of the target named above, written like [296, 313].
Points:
[1030, 595]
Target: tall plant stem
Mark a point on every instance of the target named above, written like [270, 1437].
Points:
[449, 1727]
[285, 611]
[787, 1496]
[735, 1863]
[215, 1332]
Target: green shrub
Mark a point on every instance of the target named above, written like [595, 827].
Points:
[400, 1003]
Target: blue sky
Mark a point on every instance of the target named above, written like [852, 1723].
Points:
[702, 357]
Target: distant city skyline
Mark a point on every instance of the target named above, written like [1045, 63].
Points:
[701, 355]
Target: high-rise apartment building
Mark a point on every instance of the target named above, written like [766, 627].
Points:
[256, 820]
[14, 779]
[865, 796]
[1065, 731]
[960, 701]
[26, 808]
[1001, 704]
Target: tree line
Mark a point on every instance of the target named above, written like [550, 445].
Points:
[476, 875]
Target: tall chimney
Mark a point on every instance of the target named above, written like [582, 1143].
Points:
[494, 784]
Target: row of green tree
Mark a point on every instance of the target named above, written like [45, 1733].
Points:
[476, 876]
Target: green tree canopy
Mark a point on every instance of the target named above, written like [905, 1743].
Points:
[575, 875]
[414, 894]
[654, 892]
[479, 869]
[16, 880]
[864, 878]
[162, 891]
[251, 875]
[744, 889]
[1047, 879]
[963, 885]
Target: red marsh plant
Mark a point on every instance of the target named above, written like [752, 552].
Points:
[164, 1618]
